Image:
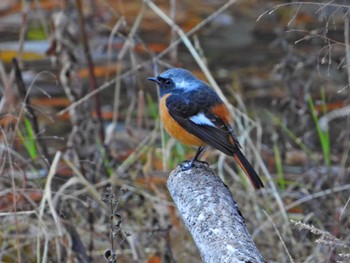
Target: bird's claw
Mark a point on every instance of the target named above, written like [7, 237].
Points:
[186, 165]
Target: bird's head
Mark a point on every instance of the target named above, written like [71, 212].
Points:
[176, 79]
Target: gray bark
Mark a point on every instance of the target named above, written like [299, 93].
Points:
[211, 215]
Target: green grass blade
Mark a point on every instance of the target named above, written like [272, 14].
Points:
[291, 134]
[278, 160]
[322, 135]
[152, 107]
[28, 139]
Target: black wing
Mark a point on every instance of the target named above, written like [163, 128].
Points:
[218, 136]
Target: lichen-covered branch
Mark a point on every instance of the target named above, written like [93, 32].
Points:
[211, 215]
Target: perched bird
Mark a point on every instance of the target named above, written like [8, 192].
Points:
[195, 115]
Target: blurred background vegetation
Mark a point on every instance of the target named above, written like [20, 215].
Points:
[84, 160]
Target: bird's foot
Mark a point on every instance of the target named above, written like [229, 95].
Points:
[188, 164]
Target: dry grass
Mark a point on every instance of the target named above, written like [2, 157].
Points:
[99, 193]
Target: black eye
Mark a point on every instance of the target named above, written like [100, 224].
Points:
[167, 81]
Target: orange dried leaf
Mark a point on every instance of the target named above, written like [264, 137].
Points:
[7, 56]
[51, 102]
[154, 259]
[7, 120]
[101, 71]
[330, 106]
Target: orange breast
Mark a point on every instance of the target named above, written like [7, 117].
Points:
[174, 129]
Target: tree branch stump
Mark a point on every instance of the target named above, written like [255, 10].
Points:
[211, 215]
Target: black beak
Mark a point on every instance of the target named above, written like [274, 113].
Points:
[153, 79]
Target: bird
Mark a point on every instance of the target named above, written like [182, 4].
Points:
[194, 114]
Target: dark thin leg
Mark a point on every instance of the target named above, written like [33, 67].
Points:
[189, 164]
[199, 151]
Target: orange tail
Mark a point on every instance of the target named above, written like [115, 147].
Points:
[248, 169]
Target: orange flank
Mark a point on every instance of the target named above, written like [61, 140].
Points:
[221, 111]
[174, 129]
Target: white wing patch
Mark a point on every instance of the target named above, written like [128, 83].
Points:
[201, 119]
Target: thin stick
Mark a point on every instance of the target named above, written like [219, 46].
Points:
[31, 114]
[279, 236]
[91, 67]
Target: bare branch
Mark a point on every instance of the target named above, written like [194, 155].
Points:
[212, 216]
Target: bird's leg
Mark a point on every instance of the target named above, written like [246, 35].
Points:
[189, 164]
